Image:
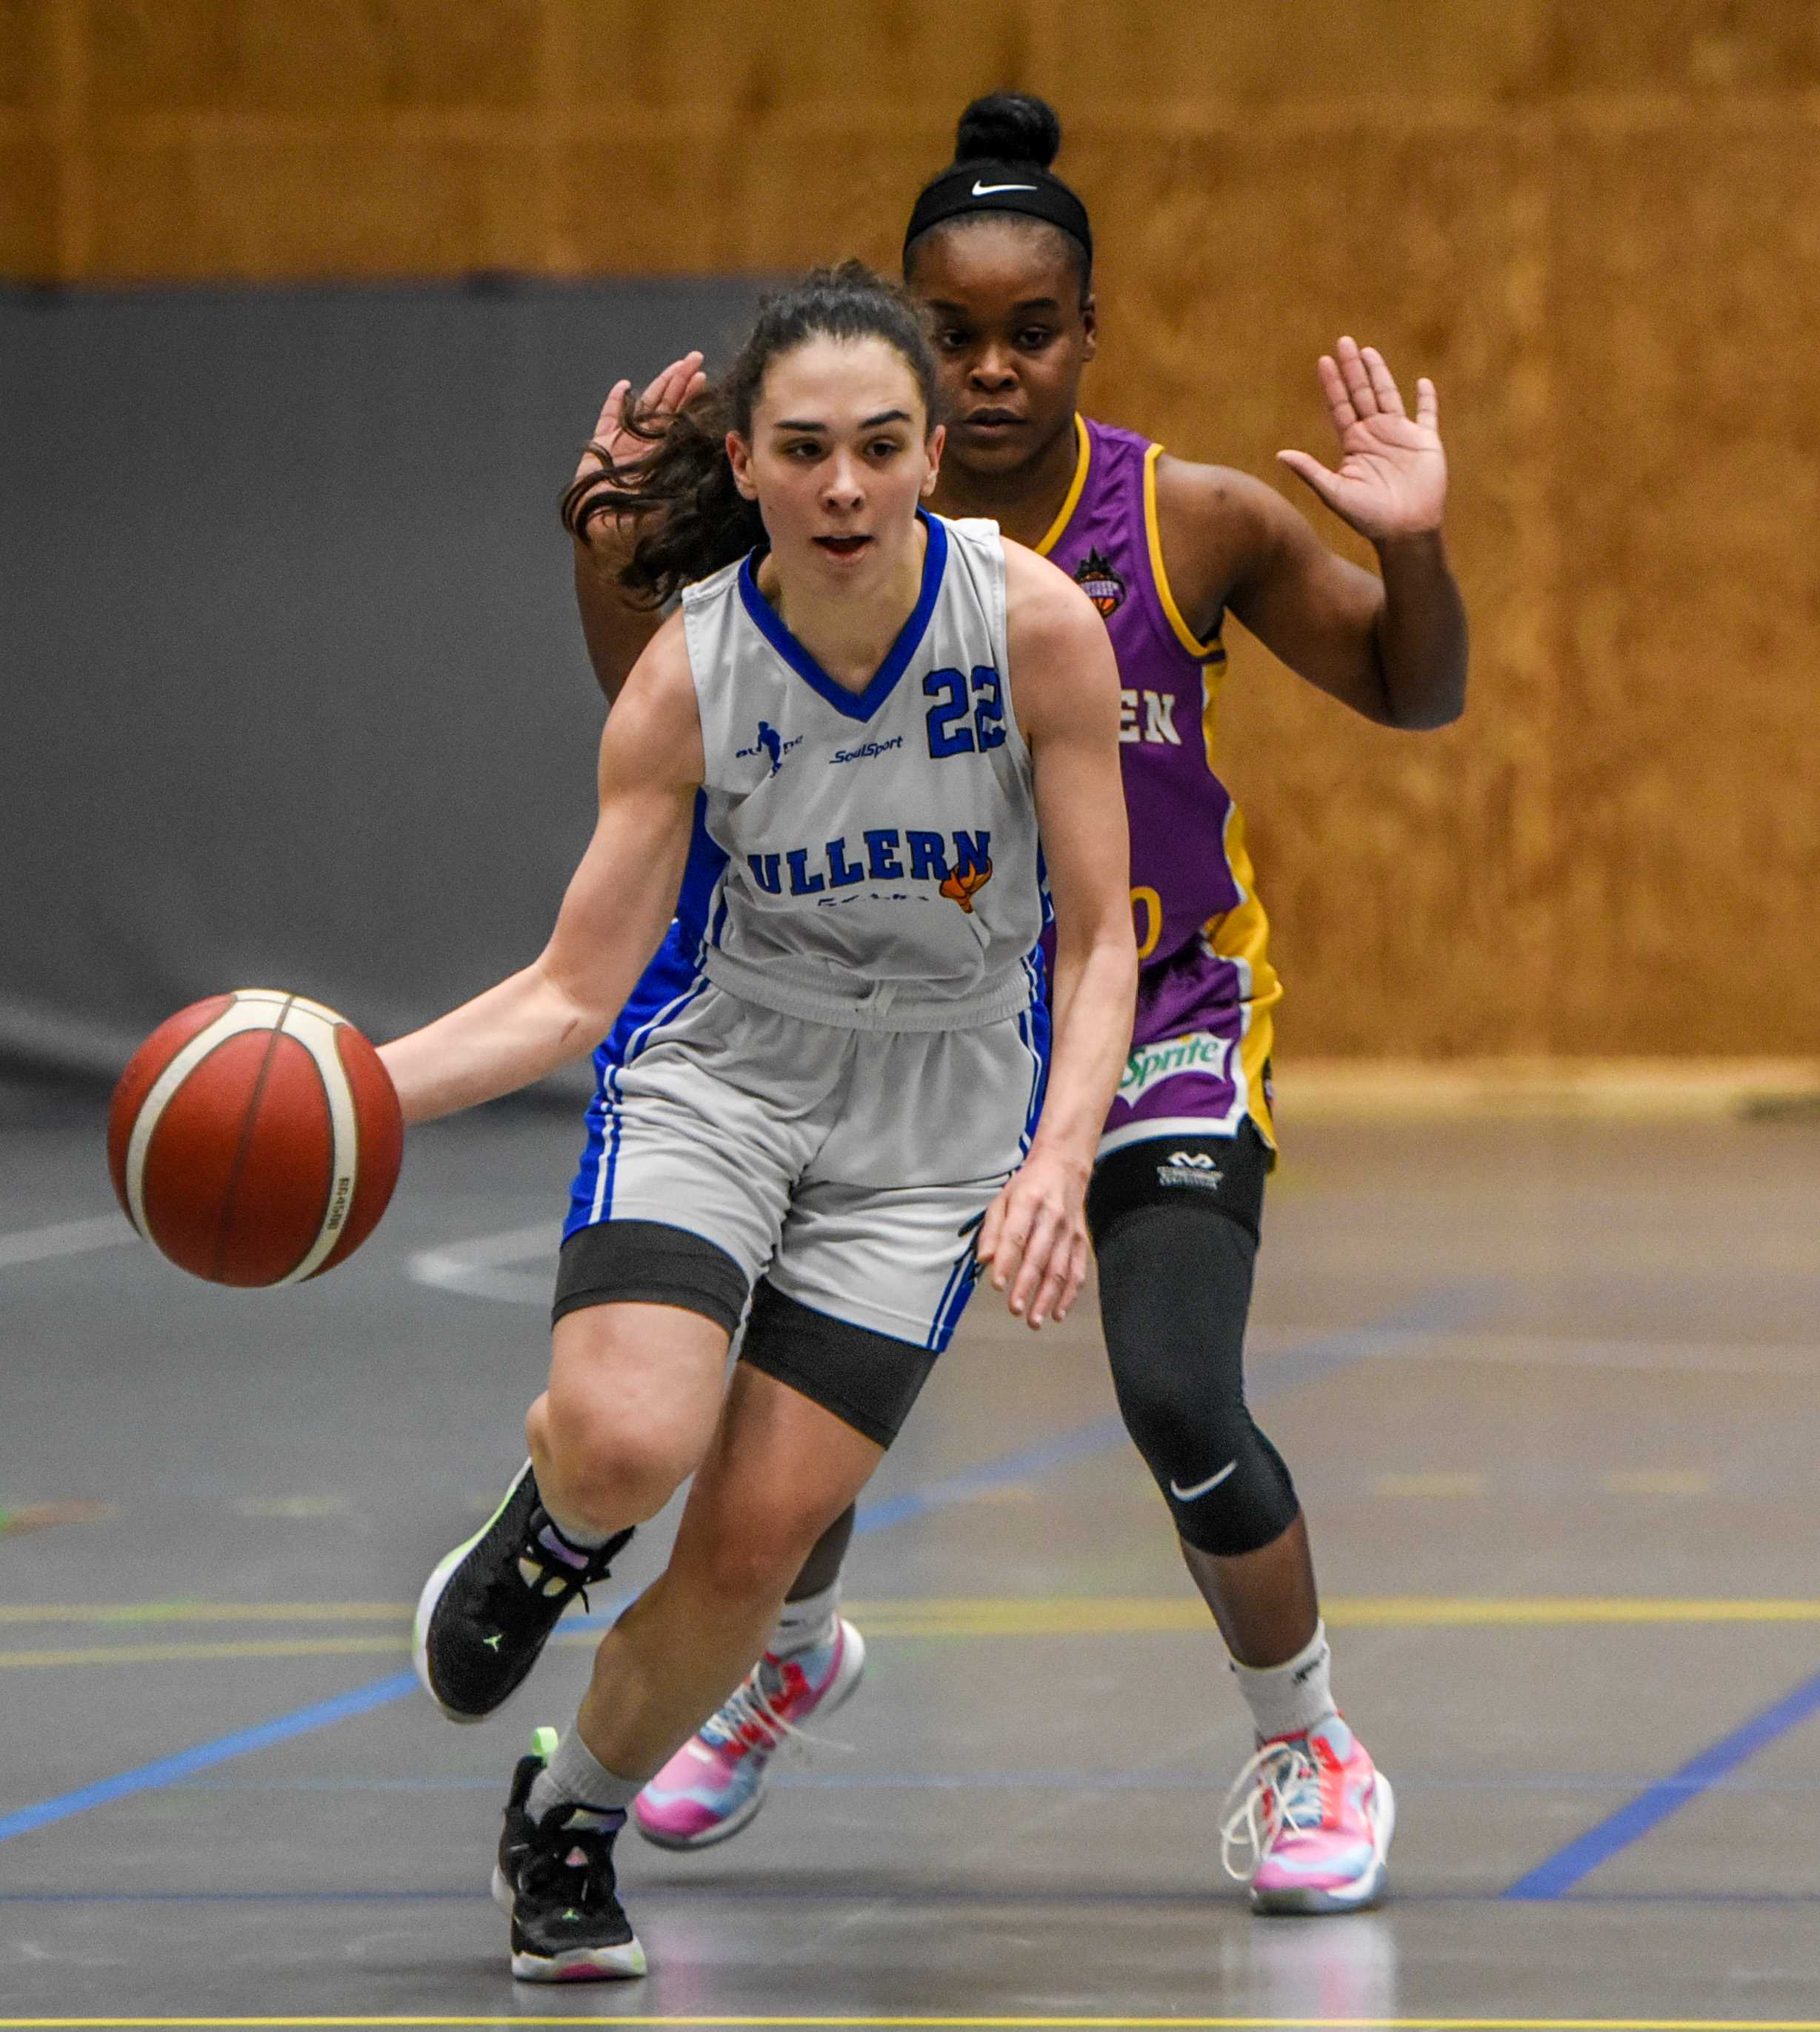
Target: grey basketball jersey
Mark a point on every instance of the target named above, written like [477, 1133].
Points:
[883, 870]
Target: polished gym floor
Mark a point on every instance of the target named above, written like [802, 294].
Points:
[1548, 1389]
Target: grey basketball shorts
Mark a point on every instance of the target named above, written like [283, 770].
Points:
[848, 1169]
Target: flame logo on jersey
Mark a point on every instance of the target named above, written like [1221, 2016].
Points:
[962, 888]
[1100, 583]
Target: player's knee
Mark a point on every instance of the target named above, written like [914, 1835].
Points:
[1175, 1289]
[1226, 1485]
[615, 1471]
[1236, 1497]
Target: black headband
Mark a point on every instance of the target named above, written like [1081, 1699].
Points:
[971, 188]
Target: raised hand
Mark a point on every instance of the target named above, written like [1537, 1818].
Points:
[1391, 479]
[667, 392]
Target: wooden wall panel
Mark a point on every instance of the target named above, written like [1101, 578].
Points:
[360, 204]
[1688, 739]
[818, 61]
[29, 70]
[28, 175]
[748, 196]
[1701, 46]
[332, 58]
[1595, 227]
[1368, 842]
[1187, 61]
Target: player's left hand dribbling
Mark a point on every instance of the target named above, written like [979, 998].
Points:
[1033, 1239]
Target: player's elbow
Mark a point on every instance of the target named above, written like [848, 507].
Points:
[579, 1008]
[1429, 717]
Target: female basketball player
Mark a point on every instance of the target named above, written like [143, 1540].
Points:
[807, 1123]
[1002, 252]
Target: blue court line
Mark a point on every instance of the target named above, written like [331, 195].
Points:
[169, 1770]
[1559, 1875]
[1080, 1443]
[1307, 1363]
[1194, 1896]
[1168, 1784]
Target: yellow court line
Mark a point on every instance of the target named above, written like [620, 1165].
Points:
[920, 1612]
[209, 1611]
[953, 1620]
[991, 2024]
[170, 1654]
[1442, 1611]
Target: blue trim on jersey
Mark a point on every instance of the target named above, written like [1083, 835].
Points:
[1034, 1029]
[672, 980]
[702, 869]
[864, 704]
[956, 1294]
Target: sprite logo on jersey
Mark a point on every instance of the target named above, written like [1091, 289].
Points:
[882, 853]
[1201, 1052]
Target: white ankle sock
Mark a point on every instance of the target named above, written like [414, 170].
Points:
[802, 1625]
[576, 1777]
[1290, 1699]
[582, 1536]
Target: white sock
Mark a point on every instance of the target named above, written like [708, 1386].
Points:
[576, 1777]
[802, 1625]
[1290, 1699]
[582, 1536]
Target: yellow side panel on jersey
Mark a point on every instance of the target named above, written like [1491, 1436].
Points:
[1154, 534]
[1213, 677]
[1242, 935]
[1083, 459]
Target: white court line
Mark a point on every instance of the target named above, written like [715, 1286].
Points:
[473, 1269]
[66, 1237]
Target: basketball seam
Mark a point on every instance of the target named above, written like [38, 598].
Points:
[323, 1243]
[198, 1051]
[232, 1188]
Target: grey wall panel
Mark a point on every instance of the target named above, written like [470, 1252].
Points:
[292, 691]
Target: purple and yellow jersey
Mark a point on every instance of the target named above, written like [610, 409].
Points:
[1206, 988]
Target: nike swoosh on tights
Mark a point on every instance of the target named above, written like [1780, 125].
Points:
[990, 190]
[1200, 1487]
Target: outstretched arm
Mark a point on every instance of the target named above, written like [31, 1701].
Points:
[618, 906]
[616, 632]
[1392, 648]
[1065, 693]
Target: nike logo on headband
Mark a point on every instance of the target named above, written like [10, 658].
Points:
[992, 190]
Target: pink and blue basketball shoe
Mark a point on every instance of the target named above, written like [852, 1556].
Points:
[1308, 1822]
[715, 1782]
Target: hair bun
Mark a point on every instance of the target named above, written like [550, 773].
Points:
[1009, 127]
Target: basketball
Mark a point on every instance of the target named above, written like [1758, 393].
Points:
[255, 1138]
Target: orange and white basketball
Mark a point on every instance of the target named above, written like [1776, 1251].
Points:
[255, 1138]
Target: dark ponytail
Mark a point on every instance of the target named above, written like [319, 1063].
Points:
[694, 519]
[1015, 129]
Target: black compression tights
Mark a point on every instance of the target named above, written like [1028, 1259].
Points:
[1175, 1290]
